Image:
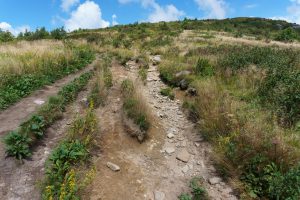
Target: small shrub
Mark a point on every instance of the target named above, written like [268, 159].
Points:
[17, 145]
[168, 92]
[203, 68]
[185, 197]
[287, 35]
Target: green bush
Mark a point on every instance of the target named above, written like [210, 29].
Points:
[204, 68]
[35, 126]
[287, 35]
[265, 179]
[17, 145]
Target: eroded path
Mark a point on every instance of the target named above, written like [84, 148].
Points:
[20, 181]
[163, 165]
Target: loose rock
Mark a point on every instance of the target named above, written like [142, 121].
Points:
[183, 156]
[170, 150]
[214, 180]
[113, 166]
[159, 195]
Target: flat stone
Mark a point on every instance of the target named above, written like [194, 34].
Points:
[39, 102]
[113, 166]
[183, 156]
[158, 195]
[214, 180]
[170, 150]
[170, 135]
[185, 169]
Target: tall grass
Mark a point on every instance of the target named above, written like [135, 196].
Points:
[136, 108]
[27, 66]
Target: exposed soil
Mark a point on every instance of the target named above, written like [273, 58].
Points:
[162, 166]
[21, 180]
[147, 169]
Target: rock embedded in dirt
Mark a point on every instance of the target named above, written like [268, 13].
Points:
[183, 156]
[156, 59]
[183, 84]
[113, 166]
[158, 195]
[84, 102]
[39, 102]
[185, 169]
[214, 180]
[170, 150]
[192, 92]
[170, 135]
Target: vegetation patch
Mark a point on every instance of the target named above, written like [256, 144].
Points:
[135, 108]
[23, 72]
[18, 143]
[63, 180]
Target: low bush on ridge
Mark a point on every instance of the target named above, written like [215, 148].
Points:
[135, 107]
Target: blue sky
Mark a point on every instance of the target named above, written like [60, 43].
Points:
[16, 15]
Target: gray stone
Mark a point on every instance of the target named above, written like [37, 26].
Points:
[113, 166]
[156, 59]
[170, 135]
[214, 180]
[183, 84]
[185, 169]
[158, 195]
[170, 150]
[192, 92]
[183, 156]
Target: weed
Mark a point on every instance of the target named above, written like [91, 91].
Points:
[167, 92]
[17, 145]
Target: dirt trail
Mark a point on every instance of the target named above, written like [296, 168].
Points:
[147, 170]
[11, 118]
[21, 181]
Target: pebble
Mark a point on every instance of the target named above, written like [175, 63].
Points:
[170, 150]
[214, 180]
[113, 166]
[158, 195]
[170, 135]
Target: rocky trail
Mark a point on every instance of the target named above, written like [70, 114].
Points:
[158, 169]
[161, 167]
[19, 181]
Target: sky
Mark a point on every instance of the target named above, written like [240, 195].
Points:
[18, 15]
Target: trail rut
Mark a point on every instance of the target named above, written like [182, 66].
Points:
[147, 169]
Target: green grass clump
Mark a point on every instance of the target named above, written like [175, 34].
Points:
[198, 191]
[134, 105]
[168, 92]
[61, 179]
[19, 142]
[143, 73]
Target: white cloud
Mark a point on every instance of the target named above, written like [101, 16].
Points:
[213, 8]
[114, 20]
[293, 12]
[88, 16]
[15, 31]
[167, 13]
[159, 13]
[67, 4]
